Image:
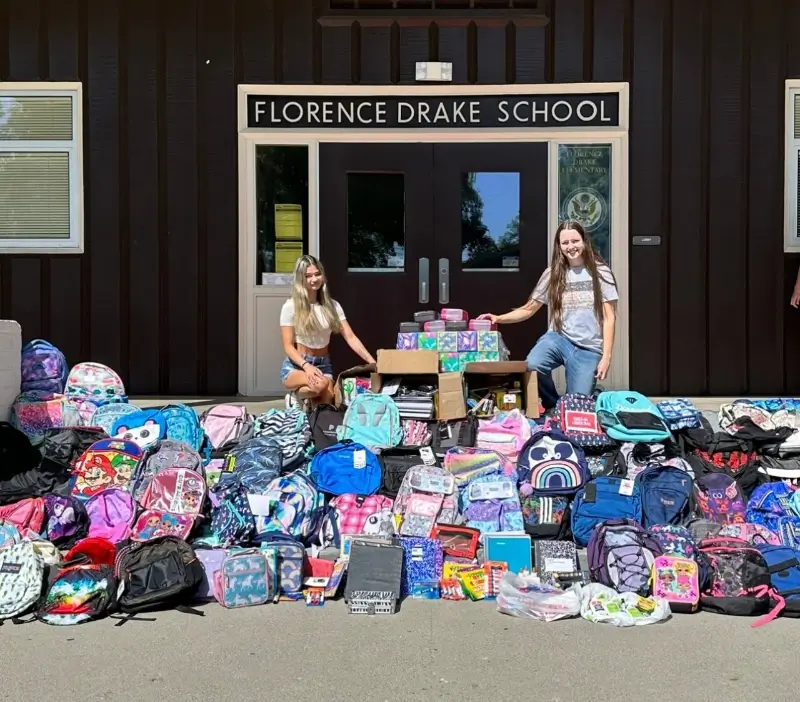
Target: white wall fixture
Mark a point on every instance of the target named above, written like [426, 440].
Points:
[434, 71]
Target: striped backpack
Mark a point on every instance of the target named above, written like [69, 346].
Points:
[289, 428]
[296, 507]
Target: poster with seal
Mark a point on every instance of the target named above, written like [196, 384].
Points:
[584, 190]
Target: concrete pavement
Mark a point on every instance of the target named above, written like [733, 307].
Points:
[428, 651]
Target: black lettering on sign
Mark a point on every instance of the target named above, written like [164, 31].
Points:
[431, 112]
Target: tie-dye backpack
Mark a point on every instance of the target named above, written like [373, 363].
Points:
[36, 412]
[95, 383]
[78, 594]
[43, 367]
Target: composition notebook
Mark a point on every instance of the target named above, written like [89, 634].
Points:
[513, 549]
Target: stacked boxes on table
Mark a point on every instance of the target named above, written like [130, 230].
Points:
[456, 340]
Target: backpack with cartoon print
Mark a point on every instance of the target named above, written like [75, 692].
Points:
[719, 498]
[106, 463]
[171, 504]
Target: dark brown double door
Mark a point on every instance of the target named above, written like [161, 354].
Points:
[409, 227]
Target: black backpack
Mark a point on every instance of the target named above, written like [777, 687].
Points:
[16, 452]
[64, 445]
[161, 573]
[324, 420]
[395, 463]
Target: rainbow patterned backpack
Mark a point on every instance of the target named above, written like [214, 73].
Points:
[550, 464]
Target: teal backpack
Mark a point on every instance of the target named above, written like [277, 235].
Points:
[372, 420]
[627, 415]
[183, 425]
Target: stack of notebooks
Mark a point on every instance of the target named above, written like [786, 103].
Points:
[415, 404]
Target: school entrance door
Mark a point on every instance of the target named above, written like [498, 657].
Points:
[409, 226]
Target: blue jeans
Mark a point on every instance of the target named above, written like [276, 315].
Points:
[321, 362]
[553, 350]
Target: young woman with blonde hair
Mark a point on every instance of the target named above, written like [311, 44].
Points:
[308, 318]
[581, 293]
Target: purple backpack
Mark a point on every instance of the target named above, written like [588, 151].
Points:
[111, 514]
[66, 520]
[720, 499]
[211, 560]
[621, 556]
[43, 367]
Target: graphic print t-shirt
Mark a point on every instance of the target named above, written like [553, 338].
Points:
[578, 321]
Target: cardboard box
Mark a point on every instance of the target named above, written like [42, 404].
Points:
[367, 370]
[393, 362]
[529, 381]
[450, 399]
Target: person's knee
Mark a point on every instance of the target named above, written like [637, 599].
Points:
[537, 359]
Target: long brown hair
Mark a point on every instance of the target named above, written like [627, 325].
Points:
[305, 321]
[558, 273]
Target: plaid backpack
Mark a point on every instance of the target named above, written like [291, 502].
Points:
[289, 428]
[576, 415]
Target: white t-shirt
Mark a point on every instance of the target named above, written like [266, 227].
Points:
[578, 322]
[317, 340]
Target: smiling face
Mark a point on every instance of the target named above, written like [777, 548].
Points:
[572, 245]
[314, 279]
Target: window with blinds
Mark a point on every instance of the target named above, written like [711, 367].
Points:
[39, 170]
[792, 185]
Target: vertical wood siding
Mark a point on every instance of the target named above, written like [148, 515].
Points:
[155, 294]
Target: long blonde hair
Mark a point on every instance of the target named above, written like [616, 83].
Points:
[306, 322]
[558, 274]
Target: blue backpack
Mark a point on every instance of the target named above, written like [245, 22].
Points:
[346, 468]
[43, 367]
[183, 425]
[629, 416]
[667, 495]
[602, 499]
[783, 563]
[372, 420]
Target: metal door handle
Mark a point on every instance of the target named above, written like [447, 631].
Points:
[444, 281]
[424, 278]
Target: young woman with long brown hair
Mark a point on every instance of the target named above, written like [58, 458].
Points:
[581, 293]
[308, 318]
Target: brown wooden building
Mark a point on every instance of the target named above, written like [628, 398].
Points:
[157, 291]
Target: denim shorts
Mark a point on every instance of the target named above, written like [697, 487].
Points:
[321, 362]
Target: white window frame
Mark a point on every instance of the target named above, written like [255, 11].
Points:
[74, 147]
[791, 240]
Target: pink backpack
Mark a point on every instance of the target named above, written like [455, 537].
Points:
[357, 514]
[227, 425]
[172, 503]
[27, 515]
[505, 434]
[111, 514]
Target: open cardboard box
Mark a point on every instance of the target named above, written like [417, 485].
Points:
[450, 400]
[490, 370]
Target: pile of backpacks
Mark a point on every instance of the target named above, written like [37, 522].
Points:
[608, 506]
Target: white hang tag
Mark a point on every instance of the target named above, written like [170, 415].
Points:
[626, 487]
[359, 459]
[426, 453]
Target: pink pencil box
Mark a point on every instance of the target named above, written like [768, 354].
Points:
[482, 325]
[436, 325]
[453, 315]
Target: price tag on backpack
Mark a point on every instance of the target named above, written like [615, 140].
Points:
[359, 459]
[626, 487]
[426, 454]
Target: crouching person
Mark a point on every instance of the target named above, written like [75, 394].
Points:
[307, 321]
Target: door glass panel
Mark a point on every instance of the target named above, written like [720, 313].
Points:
[281, 211]
[490, 221]
[584, 190]
[376, 228]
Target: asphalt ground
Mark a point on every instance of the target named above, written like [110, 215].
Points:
[429, 650]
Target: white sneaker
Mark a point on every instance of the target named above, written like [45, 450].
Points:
[290, 401]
